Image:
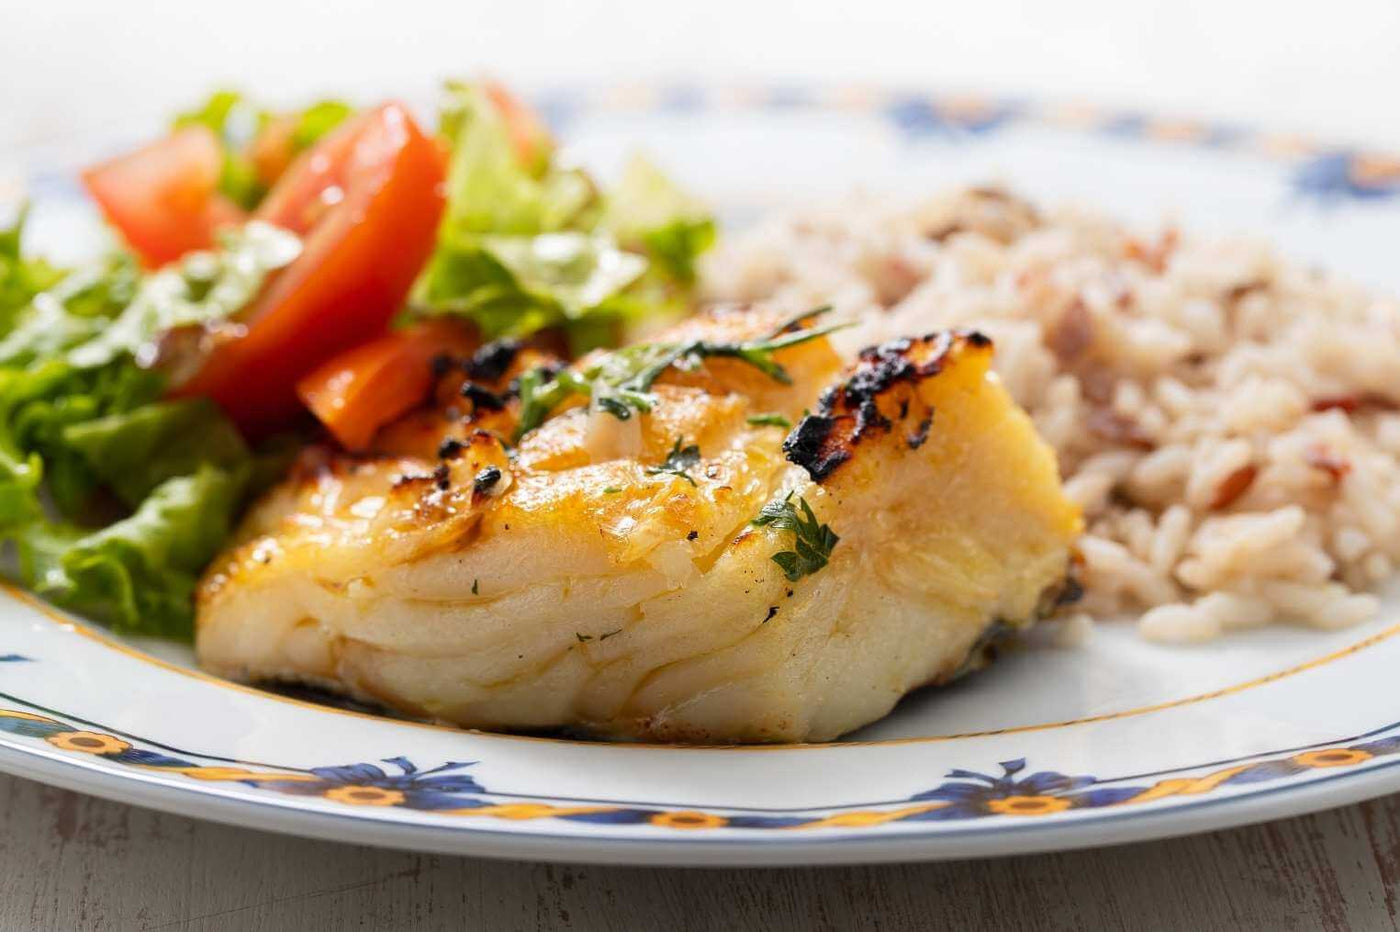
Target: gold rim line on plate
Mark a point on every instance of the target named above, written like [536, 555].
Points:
[83, 629]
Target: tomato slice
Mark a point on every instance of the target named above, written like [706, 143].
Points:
[366, 199]
[316, 181]
[362, 389]
[164, 198]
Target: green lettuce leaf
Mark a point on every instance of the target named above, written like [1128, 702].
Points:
[527, 248]
[45, 329]
[234, 121]
[218, 113]
[648, 212]
[489, 191]
[21, 472]
[645, 198]
[100, 289]
[676, 247]
[20, 278]
[521, 250]
[134, 451]
[72, 312]
[113, 498]
[317, 120]
[138, 574]
[515, 285]
[203, 288]
[578, 270]
[175, 470]
[37, 404]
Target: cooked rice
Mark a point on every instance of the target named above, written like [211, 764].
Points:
[1227, 421]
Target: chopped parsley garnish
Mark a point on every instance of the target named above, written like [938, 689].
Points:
[769, 420]
[622, 380]
[813, 541]
[611, 490]
[678, 462]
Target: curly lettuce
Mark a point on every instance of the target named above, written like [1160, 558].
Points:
[201, 289]
[138, 574]
[649, 213]
[20, 279]
[113, 498]
[526, 246]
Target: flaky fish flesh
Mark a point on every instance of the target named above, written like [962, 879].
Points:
[690, 570]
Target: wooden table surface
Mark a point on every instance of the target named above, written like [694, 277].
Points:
[73, 862]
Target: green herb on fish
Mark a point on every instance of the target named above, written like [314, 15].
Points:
[812, 540]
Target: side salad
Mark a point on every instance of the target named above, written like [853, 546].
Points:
[278, 263]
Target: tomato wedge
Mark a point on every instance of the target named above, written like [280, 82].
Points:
[362, 389]
[164, 198]
[366, 199]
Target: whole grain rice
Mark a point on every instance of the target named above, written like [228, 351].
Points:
[1229, 422]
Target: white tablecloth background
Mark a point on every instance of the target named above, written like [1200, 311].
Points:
[1329, 67]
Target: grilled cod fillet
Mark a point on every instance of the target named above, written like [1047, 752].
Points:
[568, 584]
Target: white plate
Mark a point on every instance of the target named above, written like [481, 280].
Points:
[1048, 749]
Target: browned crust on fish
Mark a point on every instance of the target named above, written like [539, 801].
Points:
[879, 396]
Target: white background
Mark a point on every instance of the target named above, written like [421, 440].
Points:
[1329, 67]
